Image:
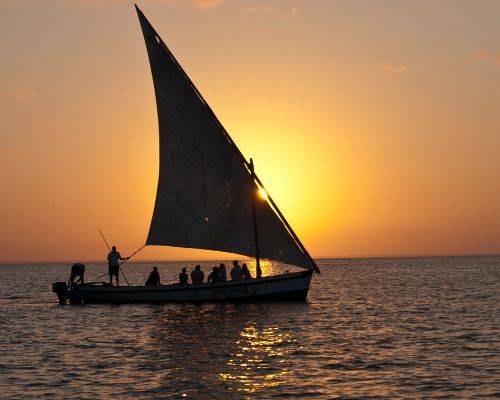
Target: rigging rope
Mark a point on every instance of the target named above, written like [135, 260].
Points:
[133, 254]
[128, 258]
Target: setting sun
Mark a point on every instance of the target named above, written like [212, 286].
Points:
[262, 194]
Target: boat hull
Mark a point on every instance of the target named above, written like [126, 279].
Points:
[293, 286]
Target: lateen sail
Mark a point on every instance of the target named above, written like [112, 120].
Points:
[205, 189]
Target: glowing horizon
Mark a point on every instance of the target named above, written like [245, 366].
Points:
[374, 128]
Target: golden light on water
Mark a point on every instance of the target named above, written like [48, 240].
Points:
[267, 267]
[249, 365]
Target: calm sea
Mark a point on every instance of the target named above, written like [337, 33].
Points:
[388, 328]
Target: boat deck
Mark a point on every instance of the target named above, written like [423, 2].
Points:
[284, 286]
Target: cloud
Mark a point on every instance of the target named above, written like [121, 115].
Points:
[17, 93]
[390, 67]
[204, 4]
[266, 8]
[259, 8]
[487, 57]
[197, 4]
[193, 4]
[480, 55]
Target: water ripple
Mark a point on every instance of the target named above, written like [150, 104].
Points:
[397, 328]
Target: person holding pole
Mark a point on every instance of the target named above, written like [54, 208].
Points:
[114, 265]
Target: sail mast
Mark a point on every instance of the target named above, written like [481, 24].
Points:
[287, 226]
[255, 228]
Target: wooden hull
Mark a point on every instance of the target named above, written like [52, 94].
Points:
[292, 286]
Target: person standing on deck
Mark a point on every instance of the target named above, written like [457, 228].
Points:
[114, 265]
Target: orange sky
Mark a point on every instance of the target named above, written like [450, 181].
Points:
[374, 125]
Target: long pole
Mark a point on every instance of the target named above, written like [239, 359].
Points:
[105, 241]
[255, 229]
[121, 270]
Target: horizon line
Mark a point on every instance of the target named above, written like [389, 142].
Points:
[93, 261]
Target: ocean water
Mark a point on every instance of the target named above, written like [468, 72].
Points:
[371, 328]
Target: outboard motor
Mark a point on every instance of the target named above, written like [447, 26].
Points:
[65, 291]
[61, 289]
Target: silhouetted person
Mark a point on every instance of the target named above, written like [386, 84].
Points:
[114, 265]
[214, 275]
[183, 277]
[153, 278]
[197, 275]
[77, 270]
[236, 271]
[222, 273]
[245, 273]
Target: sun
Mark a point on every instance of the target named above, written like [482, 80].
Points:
[263, 194]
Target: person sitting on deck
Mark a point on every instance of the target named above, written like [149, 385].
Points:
[153, 278]
[222, 273]
[77, 270]
[183, 277]
[114, 265]
[236, 271]
[245, 273]
[214, 275]
[197, 275]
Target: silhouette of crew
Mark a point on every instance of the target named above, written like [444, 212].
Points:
[214, 275]
[222, 273]
[197, 275]
[77, 270]
[153, 278]
[114, 265]
[183, 277]
[236, 271]
[245, 273]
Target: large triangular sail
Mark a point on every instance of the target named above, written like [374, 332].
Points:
[205, 187]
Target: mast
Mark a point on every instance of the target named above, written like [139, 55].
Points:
[288, 227]
[255, 228]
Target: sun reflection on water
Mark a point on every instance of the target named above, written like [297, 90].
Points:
[249, 366]
[268, 268]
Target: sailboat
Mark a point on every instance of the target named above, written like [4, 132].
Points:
[207, 198]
